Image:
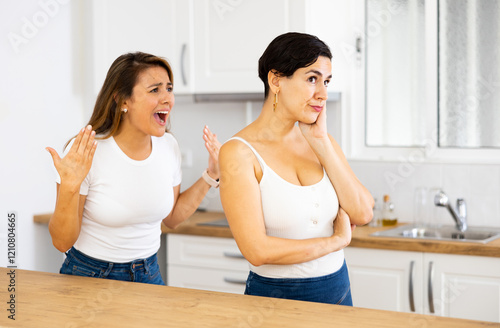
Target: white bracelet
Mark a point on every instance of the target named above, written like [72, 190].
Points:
[208, 179]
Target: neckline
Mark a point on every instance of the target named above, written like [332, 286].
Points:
[293, 184]
[131, 160]
[263, 165]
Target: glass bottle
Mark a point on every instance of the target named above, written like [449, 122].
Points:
[388, 216]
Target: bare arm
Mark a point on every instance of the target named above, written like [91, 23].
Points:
[240, 196]
[354, 198]
[186, 203]
[65, 223]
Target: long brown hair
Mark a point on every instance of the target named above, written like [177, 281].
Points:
[118, 85]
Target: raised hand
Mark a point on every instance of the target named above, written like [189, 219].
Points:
[74, 167]
[316, 130]
[213, 147]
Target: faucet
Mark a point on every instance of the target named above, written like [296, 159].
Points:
[459, 214]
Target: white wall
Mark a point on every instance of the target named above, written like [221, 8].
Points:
[40, 105]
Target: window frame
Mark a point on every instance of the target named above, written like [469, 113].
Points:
[354, 110]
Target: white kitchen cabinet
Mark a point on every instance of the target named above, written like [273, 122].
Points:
[231, 35]
[385, 279]
[209, 263]
[159, 27]
[213, 45]
[458, 286]
[462, 286]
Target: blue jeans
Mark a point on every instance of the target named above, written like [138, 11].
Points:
[143, 270]
[334, 288]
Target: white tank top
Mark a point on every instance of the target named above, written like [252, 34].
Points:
[297, 212]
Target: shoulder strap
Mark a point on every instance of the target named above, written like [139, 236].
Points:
[259, 158]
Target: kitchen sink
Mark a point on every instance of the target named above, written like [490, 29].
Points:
[449, 233]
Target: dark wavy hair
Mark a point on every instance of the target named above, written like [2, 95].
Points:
[289, 52]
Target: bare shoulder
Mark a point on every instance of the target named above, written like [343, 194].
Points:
[234, 152]
[236, 148]
[231, 150]
[236, 159]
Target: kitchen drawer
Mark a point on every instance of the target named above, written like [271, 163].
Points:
[205, 252]
[229, 281]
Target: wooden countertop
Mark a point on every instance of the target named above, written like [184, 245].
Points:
[191, 226]
[55, 300]
[361, 237]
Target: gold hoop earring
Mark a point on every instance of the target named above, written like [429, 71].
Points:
[275, 104]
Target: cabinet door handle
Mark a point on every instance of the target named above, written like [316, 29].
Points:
[410, 292]
[183, 71]
[235, 281]
[359, 43]
[430, 287]
[233, 255]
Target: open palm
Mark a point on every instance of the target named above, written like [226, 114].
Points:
[74, 167]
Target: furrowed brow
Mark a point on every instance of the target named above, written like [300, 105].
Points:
[156, 85]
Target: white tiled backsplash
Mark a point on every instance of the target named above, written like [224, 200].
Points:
[478, 184]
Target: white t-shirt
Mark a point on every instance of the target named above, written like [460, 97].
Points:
[127, 200]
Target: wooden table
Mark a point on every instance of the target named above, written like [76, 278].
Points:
[55, 300]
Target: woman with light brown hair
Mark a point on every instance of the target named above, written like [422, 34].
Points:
[120, 177]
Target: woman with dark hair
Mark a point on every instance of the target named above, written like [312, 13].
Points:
[120, 177]
[288, 192]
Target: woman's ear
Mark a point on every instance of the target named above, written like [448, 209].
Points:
[120, 103]
[273, 79]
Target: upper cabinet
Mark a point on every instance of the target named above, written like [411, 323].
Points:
[159, 27]
[213, 45]
[230, 36]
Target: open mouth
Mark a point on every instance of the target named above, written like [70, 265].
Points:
[161, 117]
